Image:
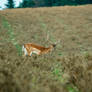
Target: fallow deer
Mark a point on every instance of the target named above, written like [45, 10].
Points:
[30, 48]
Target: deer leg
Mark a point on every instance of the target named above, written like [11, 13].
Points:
[31, 53]
[24, 51]
[28, 51]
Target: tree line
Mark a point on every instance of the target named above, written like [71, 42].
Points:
[46, 3]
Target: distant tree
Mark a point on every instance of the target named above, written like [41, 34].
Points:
[90, 1]
[24, 3]
[27, 3]
[31, 3]
[50, 3]
[10, 4]
[39, 3]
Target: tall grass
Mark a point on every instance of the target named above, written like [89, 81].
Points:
[58, 75]
[11, 35]
[46, 30]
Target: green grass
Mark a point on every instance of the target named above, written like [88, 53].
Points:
[11, 35]
[58, 74]
[71, 88]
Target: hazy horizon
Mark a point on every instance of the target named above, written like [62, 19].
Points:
[3, 2]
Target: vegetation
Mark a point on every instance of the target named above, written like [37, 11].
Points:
[50, 3]
[10, 4]
[11, 35]
[68, 68]
[46, 3]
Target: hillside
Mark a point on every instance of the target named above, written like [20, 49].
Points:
[68, 67]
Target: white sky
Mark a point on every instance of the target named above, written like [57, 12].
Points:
[3, 2]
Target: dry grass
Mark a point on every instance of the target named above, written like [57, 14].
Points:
[69, 64]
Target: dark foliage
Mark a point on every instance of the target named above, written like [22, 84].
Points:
[49, 3]
[10, 4]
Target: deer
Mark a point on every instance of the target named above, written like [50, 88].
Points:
[30, 48]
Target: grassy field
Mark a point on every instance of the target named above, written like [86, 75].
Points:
[68, 68]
